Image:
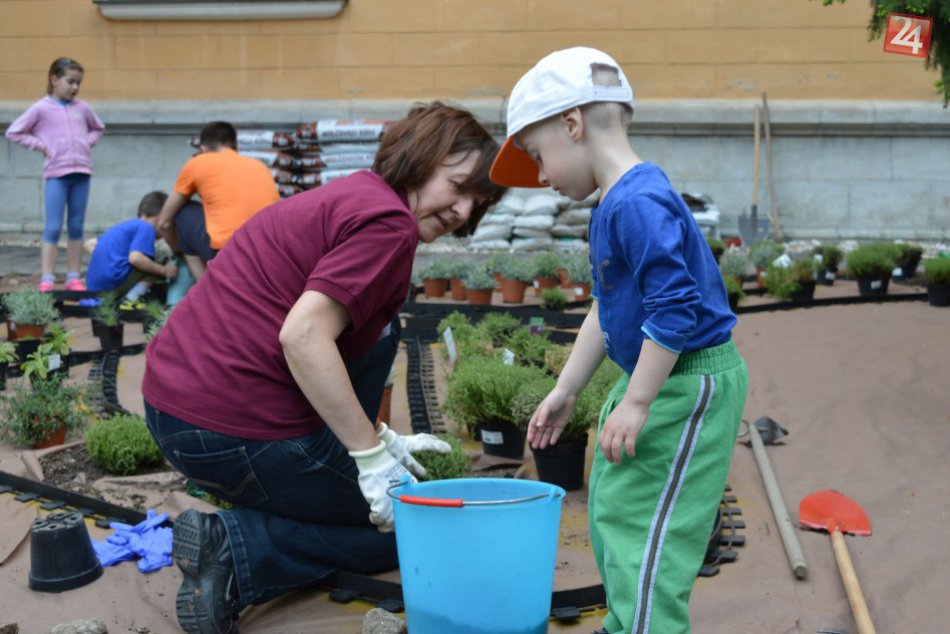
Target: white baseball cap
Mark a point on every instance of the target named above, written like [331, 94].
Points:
[561, 81]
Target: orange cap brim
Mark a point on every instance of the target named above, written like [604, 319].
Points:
[513, 167]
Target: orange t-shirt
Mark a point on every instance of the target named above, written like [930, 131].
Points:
[232, 188]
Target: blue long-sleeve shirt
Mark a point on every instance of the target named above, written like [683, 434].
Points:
[654, 275]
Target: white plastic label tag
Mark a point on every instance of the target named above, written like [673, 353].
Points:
[897, 272]
[578, 291]
[493, 437]
[830, 275]
[536, 284]
[450, 344]
[876, 284]
[508, 357]
[55, 361]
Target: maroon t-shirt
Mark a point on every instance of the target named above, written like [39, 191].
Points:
[218, 363]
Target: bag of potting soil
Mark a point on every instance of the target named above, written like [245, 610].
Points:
[263, 140]
[313, 162]
[531, 244]
[309, 180]
[271, 158]
[495, 218]
[287, 190]
[575, 216]
[305, 147]
[284, 177]
[330, 130]
[570, 245]
[521, 232]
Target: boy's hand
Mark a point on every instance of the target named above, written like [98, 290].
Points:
[549, 419]
[171, 271]
[621, 429]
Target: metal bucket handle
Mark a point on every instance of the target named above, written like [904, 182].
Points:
[456, 502]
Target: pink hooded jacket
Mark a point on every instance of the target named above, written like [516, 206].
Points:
[68, 132]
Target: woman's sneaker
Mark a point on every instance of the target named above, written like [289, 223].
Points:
[74, 284]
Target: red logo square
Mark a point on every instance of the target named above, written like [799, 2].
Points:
[907, 35]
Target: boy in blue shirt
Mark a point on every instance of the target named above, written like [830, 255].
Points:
[123, 257]
[667, 430]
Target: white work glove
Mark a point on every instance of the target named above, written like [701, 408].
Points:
[378, 470]
[401, 447]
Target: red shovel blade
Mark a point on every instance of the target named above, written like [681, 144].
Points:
[833, 511]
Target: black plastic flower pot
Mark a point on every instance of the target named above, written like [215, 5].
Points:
[938, 294]
[909, 269]
[871, 285]
[4, 366]
[733, 301]
[562, 464]
[502, 439]
[61, 554]
[825, 277]
[805, 292]
[110, 337]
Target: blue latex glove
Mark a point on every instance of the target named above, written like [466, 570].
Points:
[147, 540]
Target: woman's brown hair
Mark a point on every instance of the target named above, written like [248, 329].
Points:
[411, 149]
[58, 68]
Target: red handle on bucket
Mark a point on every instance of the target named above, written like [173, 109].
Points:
[415, 499]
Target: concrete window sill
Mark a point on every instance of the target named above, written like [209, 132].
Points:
[219, 9]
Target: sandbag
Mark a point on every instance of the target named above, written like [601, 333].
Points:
[569, 231]
[531, 244]
[541, 205]
[497, 219]
[490, 245]
[492, 232]
[521, 232]
[575, 216]
[534, 222]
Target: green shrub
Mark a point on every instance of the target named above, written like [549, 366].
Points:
[58, 339]
[496, 327]
[872, 260]
[478, 279]
[555, 358]
[122, 444]
[528, 398]
[157, 323]
[908, 254]
[37, 363]
[460, 269]
[497, 262]
[107, 312]
[717, 246]
[734, 263]
[39, 408]
[830, 256]
[468, 342]
[482, 388]
[439, 269]
[553, 299]
[545, 264]
[578, 269]
[8, 352]
[937, 270]
[734, 287]
[783, 281]
[765, 253]
[518, 269]
[31, 307]
[445, 466]
[529, 348]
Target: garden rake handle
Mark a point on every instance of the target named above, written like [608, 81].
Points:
[850, 580]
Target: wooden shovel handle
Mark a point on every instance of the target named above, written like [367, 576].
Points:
[850, 580]
[755, 164]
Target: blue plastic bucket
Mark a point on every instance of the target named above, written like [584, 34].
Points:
[476, 555]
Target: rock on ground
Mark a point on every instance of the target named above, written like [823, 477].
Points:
[379, 621]
[84, 626]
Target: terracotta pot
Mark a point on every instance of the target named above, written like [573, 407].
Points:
[435, 287]
[479, 296]
[498, 278]
[562, 275]
[759, 277]
[458, 289]
[541, 283]
[512, 291]
[25, 331]
[52, 439]
[579, 292]
[385, 405]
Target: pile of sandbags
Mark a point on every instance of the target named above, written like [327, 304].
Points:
[534, 219]
[315, 153]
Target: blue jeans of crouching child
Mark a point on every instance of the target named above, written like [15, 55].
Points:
[300, 515]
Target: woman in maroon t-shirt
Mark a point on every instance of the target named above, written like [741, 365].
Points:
[264, 383]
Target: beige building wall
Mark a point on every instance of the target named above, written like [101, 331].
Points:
[460, 49]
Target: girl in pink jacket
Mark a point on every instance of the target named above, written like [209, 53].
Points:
[64, 129]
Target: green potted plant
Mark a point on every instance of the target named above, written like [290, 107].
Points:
[445, 466]
[43, 364]
[908, 259]
[872, 264]
[717, 246]
[157, 324]
[479, 286]
[435, 278]
[734, 263]
[553, 299]
[122, 445]
[28, 313]
[58, 338]
[458, 272]
[40, 414]
[795, 283]
[827, 271]
[529, 348]
[480, 395]
[106, 324]
[496, 265]
[8, 354]
[579, 276]
[516, 275]
[544, 267]
[496, 328]
[762, 254]
[733, 291]
[938, 281]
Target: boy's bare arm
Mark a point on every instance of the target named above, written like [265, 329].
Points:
[586, 355]
[147, 265]
[625, 422]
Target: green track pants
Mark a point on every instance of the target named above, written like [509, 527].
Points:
[651, 515]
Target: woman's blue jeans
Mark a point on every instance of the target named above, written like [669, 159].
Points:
[299, 514]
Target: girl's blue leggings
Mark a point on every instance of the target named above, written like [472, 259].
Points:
[72, 190]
